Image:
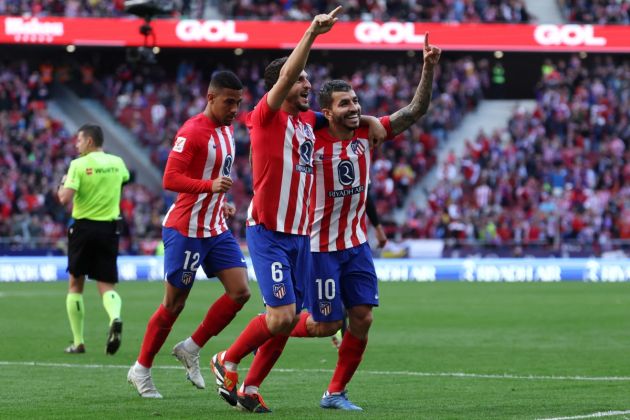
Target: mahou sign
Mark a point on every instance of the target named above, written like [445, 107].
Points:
[345, 35]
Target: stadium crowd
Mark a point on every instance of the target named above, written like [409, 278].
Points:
[513, 11]
[560, 172]
[598, 12]
[35, 151]
[471, 11]
[90, 8]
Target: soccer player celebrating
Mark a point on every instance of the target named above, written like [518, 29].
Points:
[195, 233]
[282, 140]
[344, 274]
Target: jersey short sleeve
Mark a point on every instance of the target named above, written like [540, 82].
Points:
[184, 146]
[73, 180]
[262, 114]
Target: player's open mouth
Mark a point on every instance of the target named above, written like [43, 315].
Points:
[353, 117]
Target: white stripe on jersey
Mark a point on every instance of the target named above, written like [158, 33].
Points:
[338, 204]
[207, 173]
[287, 170]
[320, 202]
[354, 206]
[361, 234]
[214, 201]
[167, 214]
[299, 210]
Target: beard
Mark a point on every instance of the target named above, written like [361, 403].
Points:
[303, 107]
[349, 125]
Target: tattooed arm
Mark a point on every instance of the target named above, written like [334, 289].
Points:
[405, 117]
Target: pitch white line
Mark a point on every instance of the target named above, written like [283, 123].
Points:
[592, 415]
[369, 372]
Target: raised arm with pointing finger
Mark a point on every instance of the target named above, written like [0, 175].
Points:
[290, 71]
[405, 117]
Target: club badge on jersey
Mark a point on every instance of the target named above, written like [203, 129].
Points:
[279, 291]
[325, 308]
[357, 147]
[187, 277]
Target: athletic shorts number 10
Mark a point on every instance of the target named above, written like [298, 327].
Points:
[325, 289]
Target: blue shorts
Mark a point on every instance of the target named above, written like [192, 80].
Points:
[184, 255]
[341, 279]
[282, 263]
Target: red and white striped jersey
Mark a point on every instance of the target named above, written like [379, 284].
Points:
[208, 151]
[282, 166]
[342, 174]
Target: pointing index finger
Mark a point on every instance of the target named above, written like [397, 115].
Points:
[426, 41]
[335, 12]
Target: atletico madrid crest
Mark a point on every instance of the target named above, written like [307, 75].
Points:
[279, 291]
[325, 308]
[187, 277]
[357, 147]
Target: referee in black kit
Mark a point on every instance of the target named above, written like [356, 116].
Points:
[94, 185]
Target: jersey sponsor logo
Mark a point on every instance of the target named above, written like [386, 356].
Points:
[179, 144]
[187, 277]
[325, 308]
[227, 165]
[304, 168]
[306, 152]
[32, 30]
[279, 291]
[306, 157]
[345, 193]
[89, 171]
[345, 172]
[106, 170]
[357, 147]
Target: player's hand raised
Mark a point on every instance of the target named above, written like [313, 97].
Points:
[221, 185]
[228, 210]
[431, 54]
[324, 22]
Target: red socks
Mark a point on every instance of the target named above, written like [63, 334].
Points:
[300, 328]
[220, 314]
[350, 355]
[252, 337]
[266, 357]
[158, 328]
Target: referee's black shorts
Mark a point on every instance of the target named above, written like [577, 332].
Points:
[93, 250]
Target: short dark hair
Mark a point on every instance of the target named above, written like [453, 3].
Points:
[94, 131]
[225, 79]
[272, 72]
[327, 89]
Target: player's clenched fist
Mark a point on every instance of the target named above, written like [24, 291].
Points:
[222, 184]
[431, 54]
[324, 22]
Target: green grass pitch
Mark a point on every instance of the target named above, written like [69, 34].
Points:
[436, 351]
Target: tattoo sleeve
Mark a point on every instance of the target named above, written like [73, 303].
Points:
[405, 117]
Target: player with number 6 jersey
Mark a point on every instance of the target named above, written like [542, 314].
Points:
[195, 233]
[282, 140]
